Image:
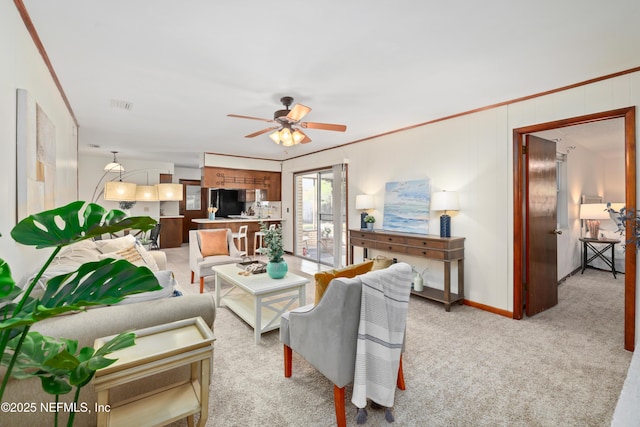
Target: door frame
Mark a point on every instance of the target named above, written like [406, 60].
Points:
[345, 209]
[629, 116]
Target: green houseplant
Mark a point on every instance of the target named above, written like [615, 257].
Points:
[369, 220]
[59, 363]
[276, 267]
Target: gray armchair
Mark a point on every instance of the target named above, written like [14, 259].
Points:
[326, 334]
[201, 265]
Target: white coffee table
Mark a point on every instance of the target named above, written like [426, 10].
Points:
[258, 299]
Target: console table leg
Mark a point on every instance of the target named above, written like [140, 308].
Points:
[461, 280]
[447, 286]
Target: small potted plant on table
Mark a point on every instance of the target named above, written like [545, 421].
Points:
[369, 220]
[277, 267]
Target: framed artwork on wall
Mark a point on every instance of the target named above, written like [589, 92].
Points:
[406, 206]
[35, 157]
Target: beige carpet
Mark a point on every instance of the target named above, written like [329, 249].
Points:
[563, 367]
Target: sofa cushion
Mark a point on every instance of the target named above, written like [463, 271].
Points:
[213, 243]
[323, 279]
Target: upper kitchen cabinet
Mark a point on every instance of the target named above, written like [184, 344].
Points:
[214, 177]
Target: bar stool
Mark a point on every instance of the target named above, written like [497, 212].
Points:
[259, 235]
[241, 234]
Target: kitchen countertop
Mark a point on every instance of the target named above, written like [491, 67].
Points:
[234, 219]
[171, 216]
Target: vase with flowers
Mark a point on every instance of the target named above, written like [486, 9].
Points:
[276, 267]
[212, 212]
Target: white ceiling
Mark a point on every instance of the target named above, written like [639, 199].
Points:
[373, 65]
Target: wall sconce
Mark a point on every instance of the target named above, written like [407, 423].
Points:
[445, 201]
[364, 202]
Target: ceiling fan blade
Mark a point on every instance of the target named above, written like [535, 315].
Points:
[323, 126]
[249, 117]
[298, 112]
[260, 132]
[306, 138]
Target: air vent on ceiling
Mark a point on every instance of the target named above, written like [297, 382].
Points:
[94, 146]
[122, 105]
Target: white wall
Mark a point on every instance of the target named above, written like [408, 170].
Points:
[241, 163]
[614, 185]
[472, 154]
[22, 67]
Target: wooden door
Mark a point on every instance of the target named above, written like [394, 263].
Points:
[541, 284]
[190, 208]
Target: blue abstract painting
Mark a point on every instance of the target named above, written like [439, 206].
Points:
[406, 206]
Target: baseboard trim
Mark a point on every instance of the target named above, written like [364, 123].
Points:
[488, 308]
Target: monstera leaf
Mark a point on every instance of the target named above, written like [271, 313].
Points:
[95, 283]
[58, 363]
[72, 223]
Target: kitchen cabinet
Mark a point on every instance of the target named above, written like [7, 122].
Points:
[242, 179]
[170, 232]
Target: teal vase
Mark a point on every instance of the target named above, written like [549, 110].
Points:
[277, 270]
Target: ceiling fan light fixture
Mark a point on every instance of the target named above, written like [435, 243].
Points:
[285, 135]
[297, 136]
[275, 137]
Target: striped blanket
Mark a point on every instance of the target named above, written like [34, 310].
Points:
[383, 316]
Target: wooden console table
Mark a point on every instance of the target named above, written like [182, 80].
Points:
[445, 249]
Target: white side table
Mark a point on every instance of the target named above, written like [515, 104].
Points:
[159, 349]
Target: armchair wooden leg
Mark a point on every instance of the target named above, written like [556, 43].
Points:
[193, 275]
[338, 398]
[201, 284]
[287, 361]
[401, 384]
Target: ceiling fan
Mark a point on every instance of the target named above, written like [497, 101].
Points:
[285, 120]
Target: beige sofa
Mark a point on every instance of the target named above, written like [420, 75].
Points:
[100, 322]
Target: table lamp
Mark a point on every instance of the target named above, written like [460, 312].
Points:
[445, 201]
[593, 213]
[364, 202]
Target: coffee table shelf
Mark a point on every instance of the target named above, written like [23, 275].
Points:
[258, 299]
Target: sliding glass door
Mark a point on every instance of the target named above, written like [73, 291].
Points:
[320, 215]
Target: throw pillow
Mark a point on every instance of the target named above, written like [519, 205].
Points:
[114, 245]
[323, 279]
[213, 242]
[135, 254]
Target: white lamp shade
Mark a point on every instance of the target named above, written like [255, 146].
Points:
[113, 167]
[146, 193]
[120, 191]
[167, 192]
[594, 211]
[445, 201]
[364, 201]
